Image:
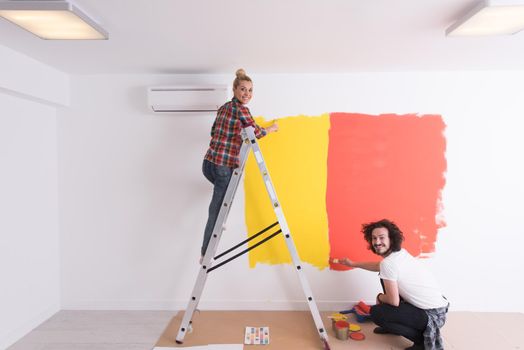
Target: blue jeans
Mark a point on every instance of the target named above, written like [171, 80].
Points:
[219, 176]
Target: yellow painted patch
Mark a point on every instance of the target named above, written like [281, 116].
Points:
[296, 157]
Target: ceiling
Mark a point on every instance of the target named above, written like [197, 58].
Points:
[271, 36]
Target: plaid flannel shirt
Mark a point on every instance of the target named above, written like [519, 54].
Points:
[226, 140]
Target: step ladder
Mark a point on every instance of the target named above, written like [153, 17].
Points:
[249, 143]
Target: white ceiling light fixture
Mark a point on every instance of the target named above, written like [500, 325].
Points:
[52, 20]
[490, 17]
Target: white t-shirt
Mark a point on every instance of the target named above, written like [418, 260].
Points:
[416, 285]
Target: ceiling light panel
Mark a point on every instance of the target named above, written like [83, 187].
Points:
[490, 18]
[52, 20]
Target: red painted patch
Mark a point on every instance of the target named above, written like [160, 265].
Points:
[386, 166]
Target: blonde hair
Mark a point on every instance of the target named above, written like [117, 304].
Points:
[241, 76]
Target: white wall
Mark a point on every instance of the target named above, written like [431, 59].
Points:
[29, 240]
[134, 202]
[23, 76]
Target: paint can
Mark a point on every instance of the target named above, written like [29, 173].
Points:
[342, 330]
[336, 317]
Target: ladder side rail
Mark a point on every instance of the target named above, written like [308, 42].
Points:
[213, 244]
[287, 235]
[303, 280]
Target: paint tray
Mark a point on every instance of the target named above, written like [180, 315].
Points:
[361, 311]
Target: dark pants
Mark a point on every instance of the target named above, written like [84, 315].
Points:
[219, 176]
[406, 320]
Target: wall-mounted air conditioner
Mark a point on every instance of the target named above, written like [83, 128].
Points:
[201, 98]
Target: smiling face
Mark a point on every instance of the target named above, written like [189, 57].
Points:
[380, 241]
[244, 91]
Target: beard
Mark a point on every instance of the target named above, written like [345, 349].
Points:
[386, 253]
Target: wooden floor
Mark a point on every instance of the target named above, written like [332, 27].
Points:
[97, 330]
[141, 330]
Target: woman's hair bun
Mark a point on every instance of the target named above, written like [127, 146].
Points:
[240, 76]
[240, 73]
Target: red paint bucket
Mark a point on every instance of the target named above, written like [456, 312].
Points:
[342, 330]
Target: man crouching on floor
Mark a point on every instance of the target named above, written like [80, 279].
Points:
[412, 304]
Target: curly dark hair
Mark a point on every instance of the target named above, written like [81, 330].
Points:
[395, 234]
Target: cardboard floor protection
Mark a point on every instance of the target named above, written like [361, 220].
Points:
[287, 330]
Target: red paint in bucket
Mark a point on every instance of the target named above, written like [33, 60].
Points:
[341, 324]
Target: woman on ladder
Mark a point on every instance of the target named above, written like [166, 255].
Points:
[222, 156]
